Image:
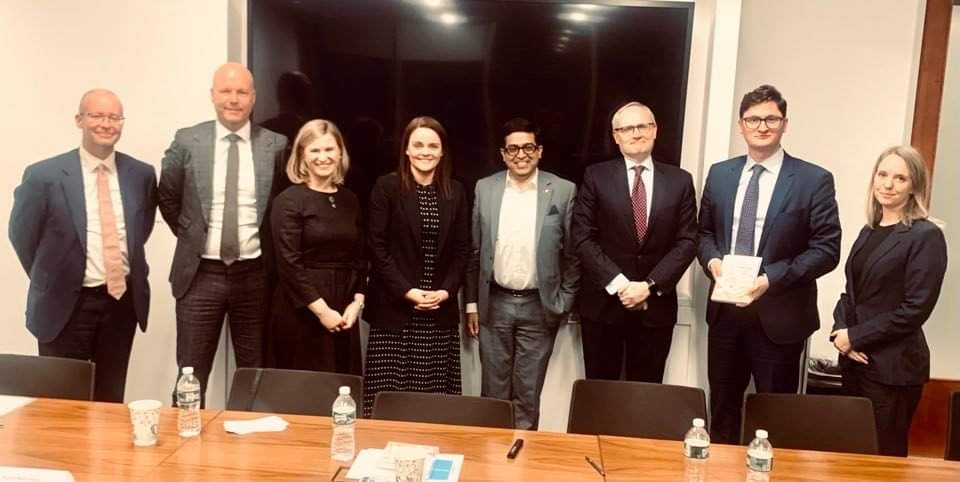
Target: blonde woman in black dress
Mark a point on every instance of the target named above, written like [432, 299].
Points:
[318, 238]
[418, 240]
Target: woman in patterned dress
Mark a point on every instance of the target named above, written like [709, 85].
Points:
[417, 233]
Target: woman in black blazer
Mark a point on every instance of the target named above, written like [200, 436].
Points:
[418, 240]
[894, 272]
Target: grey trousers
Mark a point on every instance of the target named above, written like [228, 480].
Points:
[515, 346]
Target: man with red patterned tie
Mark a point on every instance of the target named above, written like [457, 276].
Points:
[79, 224]
[635, 230]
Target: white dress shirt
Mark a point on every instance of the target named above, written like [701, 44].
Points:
[515, 253]
[95, 273]
[620, 280]
[767, 181]
[249, 233]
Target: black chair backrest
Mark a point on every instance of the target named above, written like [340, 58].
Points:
[812, 422]
[634, 409]
[46, 376]
[299, 392]
[443, 408]
[953, 427]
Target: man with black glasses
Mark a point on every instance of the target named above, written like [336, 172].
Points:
[771, 205]
[523, 274]
[635, 229]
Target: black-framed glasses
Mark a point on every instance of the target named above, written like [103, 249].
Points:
[513, 149]
[635, 129]
[100, 117]
[772, 122]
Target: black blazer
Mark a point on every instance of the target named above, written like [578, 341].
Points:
[884, 313]
[605, 238]
[800, 241]
[48, 230]
[393, 235]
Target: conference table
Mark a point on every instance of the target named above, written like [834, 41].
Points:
[92, 440]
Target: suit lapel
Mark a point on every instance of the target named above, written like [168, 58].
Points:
[621, 194]
[544, 196]
[204, 142]
[883, 249]
[408, 204]
[729, 201]
[128, 200]
[262, 150]
[658, 199]
[781, 191]
[494, 204]
[446, 213]
[857, 246]
[72, 184]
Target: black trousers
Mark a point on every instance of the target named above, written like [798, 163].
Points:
[738, 348]
[641, 351]
[893, 409]
[239, 292]
[100, 330]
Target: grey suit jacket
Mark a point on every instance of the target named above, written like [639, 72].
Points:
[48, 230]
[186, 192]
[558, 268]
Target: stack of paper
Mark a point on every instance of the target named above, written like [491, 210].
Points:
[370, 464]
[23, 474]
[272, 423]
[9, 403]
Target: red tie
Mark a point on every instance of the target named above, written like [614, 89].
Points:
[639, 199]
[110, 238]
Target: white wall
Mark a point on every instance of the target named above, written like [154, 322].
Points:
[159, 58]
[848, 72]
[942, 328]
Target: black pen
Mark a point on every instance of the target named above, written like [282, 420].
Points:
[515, 448]
[595, 466]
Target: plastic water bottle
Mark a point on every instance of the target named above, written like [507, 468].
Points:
[696, 450]
[188, 401]
[343, 442]
[760, 453]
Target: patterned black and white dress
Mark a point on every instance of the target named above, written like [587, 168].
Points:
[423, 356]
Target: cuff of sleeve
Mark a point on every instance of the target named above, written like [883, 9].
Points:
[618, 282]
[471, 308]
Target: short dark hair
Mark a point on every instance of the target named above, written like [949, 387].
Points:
[764, 93]
[519, 124]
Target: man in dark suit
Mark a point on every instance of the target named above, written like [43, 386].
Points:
[635, 229]
[215, 184]
[523, 274]
[782, 209]
[79, 223]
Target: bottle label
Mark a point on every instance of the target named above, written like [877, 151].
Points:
[184, 398]
[759, 463]
[343, 418]
[696, 451]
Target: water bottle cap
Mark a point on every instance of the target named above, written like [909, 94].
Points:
[698, 422]
[187, 370]
[344, 390]
[761, 433]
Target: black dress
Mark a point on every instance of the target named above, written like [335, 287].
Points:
[423, 356]
[319, 247]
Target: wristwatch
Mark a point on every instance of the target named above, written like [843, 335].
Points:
[650, 284]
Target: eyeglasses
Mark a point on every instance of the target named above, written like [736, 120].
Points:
[639, 128]
[100, 117]
[512, 150]
[771, 122]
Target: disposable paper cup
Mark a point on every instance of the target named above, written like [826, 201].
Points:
[408, 465]
[145, 418]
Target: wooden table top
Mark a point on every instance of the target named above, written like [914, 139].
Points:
[636, 459]
[93, 441]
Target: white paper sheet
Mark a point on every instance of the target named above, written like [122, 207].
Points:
[24, 474]
[369, 463]
[272, 423]
[738, 274]
[9, 403]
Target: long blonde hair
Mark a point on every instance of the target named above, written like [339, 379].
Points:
[311, 131]
[918, 200]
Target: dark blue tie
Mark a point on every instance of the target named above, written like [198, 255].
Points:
[748, 214]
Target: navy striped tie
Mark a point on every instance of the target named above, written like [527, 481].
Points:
[748, 214]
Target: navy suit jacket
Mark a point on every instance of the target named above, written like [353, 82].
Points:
[885, 310]
[800, 241]
[48, 230]
[605, 237]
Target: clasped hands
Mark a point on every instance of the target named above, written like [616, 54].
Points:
[333, 320]
[841, 340]
[426, 300]
[760, 285]
[633, 295]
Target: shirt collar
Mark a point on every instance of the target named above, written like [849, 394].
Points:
[647, 163]
[243, 132]
[91, 162]
[772, 163]
[530, 184]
